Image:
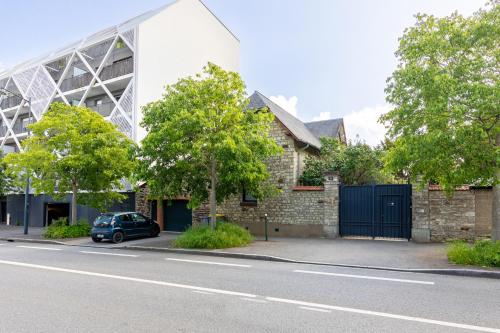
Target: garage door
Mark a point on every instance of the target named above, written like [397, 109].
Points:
[177, 217]
[376, 211]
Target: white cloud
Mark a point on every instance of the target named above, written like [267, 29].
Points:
[323, 116]
[288, 104]
[364, 123]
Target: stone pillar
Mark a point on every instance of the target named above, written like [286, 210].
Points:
[420, 231]
[142, 204]
[331, 202]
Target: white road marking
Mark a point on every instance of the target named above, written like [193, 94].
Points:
[364, 277]
[2, 244]
[314, 309]
[254, 300]
[39, 248]
[208, 262]
[202, 292]
[386, 315]
[111, 254]
[126, 278]
[271, 299]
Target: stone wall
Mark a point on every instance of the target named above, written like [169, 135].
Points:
[297, 210]
[437, 217]
[483, 203]
[142, 204]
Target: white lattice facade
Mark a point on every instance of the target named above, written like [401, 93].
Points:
[117, 70]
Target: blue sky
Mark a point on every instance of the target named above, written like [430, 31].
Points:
[318, 58]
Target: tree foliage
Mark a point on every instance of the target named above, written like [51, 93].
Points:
[6, 182]
[357, 163]
[74, 150]
[446, 97]
[201, 140]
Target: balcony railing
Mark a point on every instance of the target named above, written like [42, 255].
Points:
[10, 102]
[20, 127]
[117, 69]
[104, 109]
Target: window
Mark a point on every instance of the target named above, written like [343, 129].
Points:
[125, 218]
[247, 197]
[98, 102]
[138, 218]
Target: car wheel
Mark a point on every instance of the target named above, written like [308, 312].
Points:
[118, 237]
[96, 240]
[155, 232]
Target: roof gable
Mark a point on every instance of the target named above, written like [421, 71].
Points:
[296, 127]
[326, 128]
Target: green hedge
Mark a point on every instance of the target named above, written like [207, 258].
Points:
[225, 235]
[482, 253]
[61, 229]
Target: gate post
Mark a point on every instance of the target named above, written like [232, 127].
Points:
[331, 202]
[420, 227]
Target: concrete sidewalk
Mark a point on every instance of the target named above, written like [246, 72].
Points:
[363, 252]
[377, 254]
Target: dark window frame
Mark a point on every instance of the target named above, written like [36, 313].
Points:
[247, 199]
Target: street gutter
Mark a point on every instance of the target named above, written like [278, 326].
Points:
[481, 273]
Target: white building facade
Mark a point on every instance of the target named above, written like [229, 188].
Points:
[118, 70]
[114, 72]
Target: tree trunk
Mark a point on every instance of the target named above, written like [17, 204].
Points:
[495, 220]
[73, 203]
[213, 195]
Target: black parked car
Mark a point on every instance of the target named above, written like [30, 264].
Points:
[120, 226]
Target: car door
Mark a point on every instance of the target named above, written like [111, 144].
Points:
[127, 225]
[141, 224]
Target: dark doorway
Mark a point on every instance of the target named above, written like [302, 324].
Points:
[177, 217]
[54, 211]
[153, 206]
[3, 212]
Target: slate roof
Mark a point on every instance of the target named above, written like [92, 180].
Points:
[296, 127]
[328, 128]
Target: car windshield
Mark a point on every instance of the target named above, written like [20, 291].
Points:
[106, 218]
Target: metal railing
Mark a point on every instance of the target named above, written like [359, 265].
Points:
[10, 102]
[103, 109]
[117, 69]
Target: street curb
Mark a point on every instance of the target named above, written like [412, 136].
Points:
[439, 271]
[31, 240]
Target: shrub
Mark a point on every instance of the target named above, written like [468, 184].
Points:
[483, 253]
[60, 229]
[225, 235]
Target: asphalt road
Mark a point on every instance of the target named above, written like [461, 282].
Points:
[48, 288]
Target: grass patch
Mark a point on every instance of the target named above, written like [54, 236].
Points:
[60, 229]
[225, 235]
[482, 253]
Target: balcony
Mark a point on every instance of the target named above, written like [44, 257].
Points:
[117, 69]
[20, 127]
[10, 102]
[103, 109]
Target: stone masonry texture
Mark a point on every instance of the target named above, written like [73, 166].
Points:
[465, 215]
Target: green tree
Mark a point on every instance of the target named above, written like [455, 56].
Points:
[446, 96]
[202, 142]
[357, 163]
[73, 149]
[6, 184]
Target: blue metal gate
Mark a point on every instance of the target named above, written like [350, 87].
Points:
[376, 211]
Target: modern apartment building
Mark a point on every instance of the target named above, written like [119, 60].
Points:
[115, 72]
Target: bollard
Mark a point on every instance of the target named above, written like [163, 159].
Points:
[265, 225]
